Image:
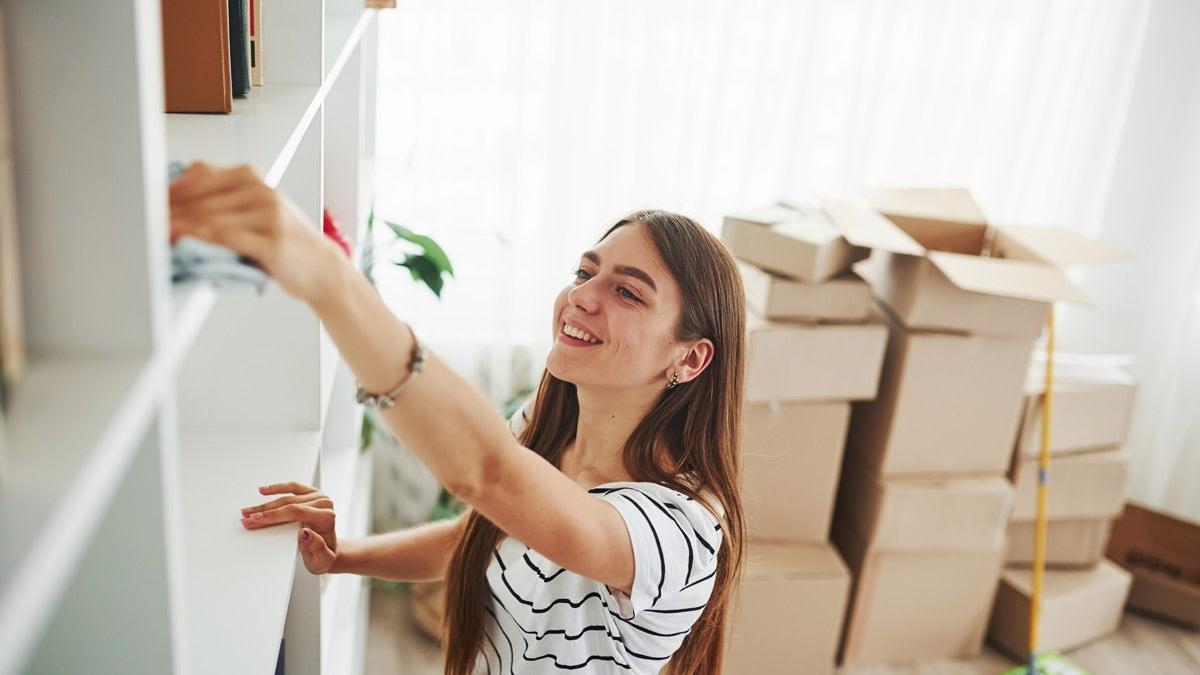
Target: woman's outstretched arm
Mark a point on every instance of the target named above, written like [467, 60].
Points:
[448, 424]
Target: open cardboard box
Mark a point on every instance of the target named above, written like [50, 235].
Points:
[940, 266]
[1163, 553]
[843, 298]
[796, 243]
[791, 458]
[786, 615]
[812, 362]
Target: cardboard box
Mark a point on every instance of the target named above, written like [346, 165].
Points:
[1163, 552]
[908, 605]
[1162, 597]
[791, 458]
[800, 244]
[786, 616]
[947, 404]
[937, 274]
[1087, 415]
[933, 514]
[844, 298]
[1088, 485]
[1078, 606]
[1069, 543]
[812, 362]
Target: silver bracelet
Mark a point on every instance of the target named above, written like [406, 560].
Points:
[388, 400]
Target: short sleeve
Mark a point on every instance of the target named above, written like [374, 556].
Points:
[675, 543]
[520, 418]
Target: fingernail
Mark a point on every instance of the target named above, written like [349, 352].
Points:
[245, 522]
[254, 516]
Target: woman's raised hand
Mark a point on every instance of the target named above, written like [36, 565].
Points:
[302, 504]
[233, 207]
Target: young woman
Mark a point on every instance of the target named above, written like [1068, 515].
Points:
[604, 530]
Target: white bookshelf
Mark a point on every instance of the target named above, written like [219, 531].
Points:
[149, 413]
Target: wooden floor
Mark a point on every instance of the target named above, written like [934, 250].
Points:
[1141, 647]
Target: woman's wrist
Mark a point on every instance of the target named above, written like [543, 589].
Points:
[332, 276]
[344, 557]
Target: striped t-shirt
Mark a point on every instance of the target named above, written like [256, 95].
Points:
[542, 618]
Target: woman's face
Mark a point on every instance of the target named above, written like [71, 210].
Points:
[624, 298]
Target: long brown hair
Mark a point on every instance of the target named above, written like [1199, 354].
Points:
[698, 423]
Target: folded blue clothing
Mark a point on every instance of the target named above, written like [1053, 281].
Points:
[196, 260]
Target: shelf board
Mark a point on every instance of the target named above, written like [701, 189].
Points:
[343, 623]
[342, 35]
[72, 430]
[263, 130]
[191, 303]
[238, 581]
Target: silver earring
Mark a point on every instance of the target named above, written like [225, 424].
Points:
[674, 380]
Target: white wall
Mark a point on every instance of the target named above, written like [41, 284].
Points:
[1150, 307]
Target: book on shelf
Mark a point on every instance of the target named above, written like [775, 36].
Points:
[256, 44]
[196, 67]
[239, 47]
[12, 325]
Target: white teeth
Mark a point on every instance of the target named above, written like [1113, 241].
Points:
[576, 333]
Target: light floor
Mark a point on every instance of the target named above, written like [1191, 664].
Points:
[1141, 647]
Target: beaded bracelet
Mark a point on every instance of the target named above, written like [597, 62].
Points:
[388, 400]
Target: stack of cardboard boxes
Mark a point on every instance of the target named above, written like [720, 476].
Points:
[924, 501]
[811, 350]
[1083, 594]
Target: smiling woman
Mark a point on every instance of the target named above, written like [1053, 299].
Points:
[608, 531]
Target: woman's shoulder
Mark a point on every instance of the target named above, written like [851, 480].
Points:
[706, 510]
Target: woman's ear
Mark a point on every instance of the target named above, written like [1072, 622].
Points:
[695, 360]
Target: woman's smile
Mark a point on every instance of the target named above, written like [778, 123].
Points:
[576, 338]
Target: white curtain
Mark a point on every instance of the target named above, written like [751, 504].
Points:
[1150, 306]
[515, 131]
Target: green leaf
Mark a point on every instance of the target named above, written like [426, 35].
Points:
[429, 247]
[424, 270]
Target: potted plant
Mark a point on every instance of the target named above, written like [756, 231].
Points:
[428, 264]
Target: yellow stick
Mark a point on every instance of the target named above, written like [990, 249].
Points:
[1039, 544]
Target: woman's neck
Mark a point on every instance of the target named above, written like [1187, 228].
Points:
[607, 417]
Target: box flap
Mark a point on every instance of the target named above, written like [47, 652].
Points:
[1009, 278]
[814, 229]
[861, 226]
[766, 215]
[1057, 246]
[955, 205]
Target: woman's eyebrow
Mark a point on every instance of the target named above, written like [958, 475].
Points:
[625, 270]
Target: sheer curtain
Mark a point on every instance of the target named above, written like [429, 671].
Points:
[515, 131]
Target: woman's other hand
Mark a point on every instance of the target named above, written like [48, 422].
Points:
[233, 207]
[302, 504]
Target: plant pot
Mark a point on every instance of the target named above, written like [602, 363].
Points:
[428, 607]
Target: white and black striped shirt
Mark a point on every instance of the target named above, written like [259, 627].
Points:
[541, 618]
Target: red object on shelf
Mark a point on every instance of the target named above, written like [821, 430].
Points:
[335, 233]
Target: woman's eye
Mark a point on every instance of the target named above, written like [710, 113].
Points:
[581, 272]
[625, 291]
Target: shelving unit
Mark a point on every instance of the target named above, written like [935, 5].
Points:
[149, 413]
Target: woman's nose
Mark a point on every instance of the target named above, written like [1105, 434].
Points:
[584, 296]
